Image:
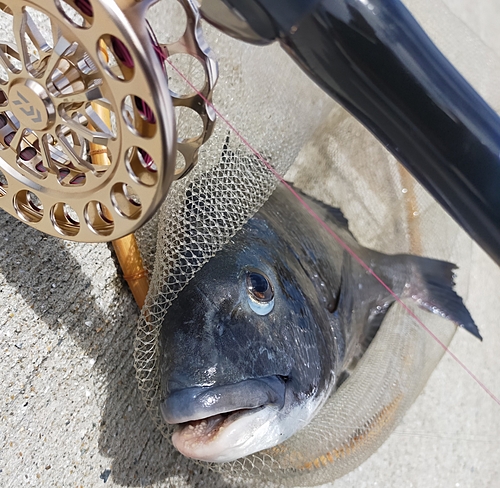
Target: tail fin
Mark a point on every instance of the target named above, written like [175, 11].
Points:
[431, 286]
[428, 281]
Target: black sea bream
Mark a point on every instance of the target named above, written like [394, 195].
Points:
[271, 325]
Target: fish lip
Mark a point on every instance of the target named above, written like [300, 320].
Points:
[222, 419]
[216, 439]
[197, 403]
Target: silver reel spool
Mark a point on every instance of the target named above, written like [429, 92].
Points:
[88, 145]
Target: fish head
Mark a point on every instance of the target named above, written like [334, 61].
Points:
[248, 350]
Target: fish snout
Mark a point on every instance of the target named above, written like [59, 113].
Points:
[197, 403]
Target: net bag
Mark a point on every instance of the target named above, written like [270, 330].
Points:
[271, 105]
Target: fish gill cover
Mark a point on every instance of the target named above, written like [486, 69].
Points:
[287, 119]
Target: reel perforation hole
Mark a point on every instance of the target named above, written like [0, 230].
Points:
[4, 184]
[189, 66]
[99, 218]
[189, 124]
[115, 57]
[28, 206]
[126, 201]
[141, 166]
[65, 219]
[168, 20]
[79, 13]
[139, 116]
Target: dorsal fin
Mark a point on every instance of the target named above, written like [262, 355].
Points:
[334, 212]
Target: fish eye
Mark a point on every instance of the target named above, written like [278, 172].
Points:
[260, 292]
[259, 287]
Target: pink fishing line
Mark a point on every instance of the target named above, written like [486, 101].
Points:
[337, 238]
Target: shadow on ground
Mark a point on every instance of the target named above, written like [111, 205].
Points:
[51, 281]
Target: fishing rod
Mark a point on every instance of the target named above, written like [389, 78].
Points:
[74, 173]
[376, 61]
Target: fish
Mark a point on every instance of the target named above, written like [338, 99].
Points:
[270, 327]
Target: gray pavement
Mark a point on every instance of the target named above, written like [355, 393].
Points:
[71, 415]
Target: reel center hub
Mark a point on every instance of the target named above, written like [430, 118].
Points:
[31, 104]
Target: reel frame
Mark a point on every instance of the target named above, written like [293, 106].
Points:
[87, 123]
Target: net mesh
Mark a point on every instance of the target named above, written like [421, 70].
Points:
[287, 119]
[205, 209]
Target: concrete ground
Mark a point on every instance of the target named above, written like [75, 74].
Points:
[71, 415]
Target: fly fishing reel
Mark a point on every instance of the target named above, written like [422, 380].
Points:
[88, 145]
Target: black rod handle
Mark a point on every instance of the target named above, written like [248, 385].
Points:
[375, 59]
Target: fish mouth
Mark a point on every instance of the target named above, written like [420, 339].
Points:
[193, 437]
[221, 423]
